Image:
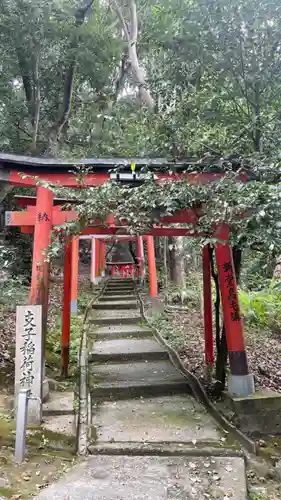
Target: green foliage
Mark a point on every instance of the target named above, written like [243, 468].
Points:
[53, 343]
[13, 289]
[262, 308]
[212, 68]
[256, 496]
[175, 337]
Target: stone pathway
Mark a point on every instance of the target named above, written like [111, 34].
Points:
[153, 440]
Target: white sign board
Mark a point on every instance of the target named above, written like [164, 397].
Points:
[29, 359]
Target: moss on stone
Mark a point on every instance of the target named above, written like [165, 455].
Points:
[7, 492]
[272, 448]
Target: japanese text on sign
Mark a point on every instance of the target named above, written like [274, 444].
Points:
[232, 295]
[28, 349]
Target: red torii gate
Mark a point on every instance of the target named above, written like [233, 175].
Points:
[43, 216]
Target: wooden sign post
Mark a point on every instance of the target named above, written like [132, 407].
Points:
[29, 367]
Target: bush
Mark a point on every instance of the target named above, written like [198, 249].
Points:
[262, 308]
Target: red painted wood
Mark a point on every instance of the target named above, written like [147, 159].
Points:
[188, 216]
[97, 258]
[140, 255]
[22, 178]
[27, 229]
[59, 180]
[151, 266]
[155, 231]
[25, 201]
[28, 218]
[102, 256]
[74, 268]
[65, 337]
[42, 240]
[229, 293]
[208, 318]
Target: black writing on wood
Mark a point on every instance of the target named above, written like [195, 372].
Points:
[43, 216]
[232, 294]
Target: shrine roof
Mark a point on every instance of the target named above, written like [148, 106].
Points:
[42, 164]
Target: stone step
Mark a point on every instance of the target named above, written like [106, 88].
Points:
[119, 289]
[113, 298]
[117, 320]
[176, 419]
[209, 450]
[104, 306]
[120, 280]
[126, 390]
[120, 285]
[116, 351]
[123, 293]
[130, 380]
[122, 332]
[108, 477]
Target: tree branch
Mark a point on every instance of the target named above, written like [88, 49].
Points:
[131, 35]
[36, 98]
[26, 79]
[69, 74]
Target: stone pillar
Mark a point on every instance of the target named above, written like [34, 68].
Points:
[28, 365]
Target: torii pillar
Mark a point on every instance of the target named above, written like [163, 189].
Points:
[208, 317]
[95, 260]
[39, 292]
[240, 381]
[151, 266]
[140, 255]
[74, 274]
[102, 257]
[65, 337]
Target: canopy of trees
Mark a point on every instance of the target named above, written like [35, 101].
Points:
[133, 78]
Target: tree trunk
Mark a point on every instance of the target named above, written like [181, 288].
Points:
[277, 268]
[177, 260]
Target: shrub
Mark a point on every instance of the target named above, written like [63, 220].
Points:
[262, 308]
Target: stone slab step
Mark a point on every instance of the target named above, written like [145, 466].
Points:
[128, 350]
[122, 332]
[119, 290]
[151, 478]
[113, 298]
[122, 293]
[164, 449]
[117, 320]
[175, 419]
[60, 403]
[121, 380]
[120, 285]
[126, 390]
[120, 280]
[128, 304]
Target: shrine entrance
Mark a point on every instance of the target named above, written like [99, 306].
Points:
[45, 213]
